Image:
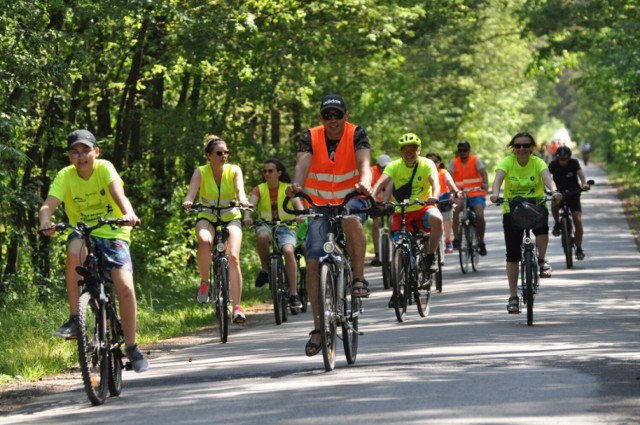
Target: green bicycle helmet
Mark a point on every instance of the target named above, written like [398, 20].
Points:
[409, 139]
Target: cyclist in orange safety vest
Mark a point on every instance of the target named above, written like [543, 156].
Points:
[468, 172]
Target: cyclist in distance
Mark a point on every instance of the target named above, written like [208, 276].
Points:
[525, 175]
[448, 189]
[381, 162]
[414, 177]
[468, 172]
[268, 198]
[89, 189]
[217, 184]
[333, 159]
[568, 175]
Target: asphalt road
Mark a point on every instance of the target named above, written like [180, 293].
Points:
[468, 362]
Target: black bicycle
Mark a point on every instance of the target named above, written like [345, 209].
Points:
[336, 306]
[385, 245]
[412, 281]
[468, 235]
[100, 337]
[527, 214]
[219, 294]
[302, 277]
[567, 234]
[278, 281]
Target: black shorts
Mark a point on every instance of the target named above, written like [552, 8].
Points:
[513, 236]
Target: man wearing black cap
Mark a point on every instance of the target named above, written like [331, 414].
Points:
[91, 188]
[333, 159]
[469, 174]
[568, 175]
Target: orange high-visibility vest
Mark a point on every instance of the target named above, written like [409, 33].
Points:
[330, 181]
[442, 176]
[468, 176]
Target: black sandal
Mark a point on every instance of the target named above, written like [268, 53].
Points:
[360, 291]
[311, 349]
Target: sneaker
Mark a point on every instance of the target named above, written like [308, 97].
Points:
[238, 315]
[262, 279]
[432, 267]
[448, 248]
[482, 249]
[295, 303]
[579, 254]
[456, 244]
[376, 261]
[69, 330]
[513, 306]
[556, 229]
[545, 268]
[137, 359]
[203, 292]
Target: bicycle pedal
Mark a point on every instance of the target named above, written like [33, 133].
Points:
[360, 333]
[128, 366]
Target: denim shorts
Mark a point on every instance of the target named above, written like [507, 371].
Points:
[477, 200]
[115, 253]
[320, 227]
[284, 235]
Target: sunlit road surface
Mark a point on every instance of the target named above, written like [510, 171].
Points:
[469, 362]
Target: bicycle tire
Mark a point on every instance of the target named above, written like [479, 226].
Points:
[440, 263]
[274, 284]
[474, 255]
[463, 238]
[400, 281]
[221, 297]
[350, 313]
[386, 251]
[528, 295]
[422, 293]
[283, 291]
[302, 288]
[567, 242]
[116, 357]
[328, 314]
[93, 352]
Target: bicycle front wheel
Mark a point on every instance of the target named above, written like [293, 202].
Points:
[220, 297]
[116, 357]
[567, 242]
[302, 288]
[328, 309]
[440, 262]
[529, 272]
[463, 238]
[93, 351]
[276, 290]
[400, 281]
[350, 313]
[386, 249]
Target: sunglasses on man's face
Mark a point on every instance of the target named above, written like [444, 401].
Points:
[222, 153]
[463, 150]
[335, 114]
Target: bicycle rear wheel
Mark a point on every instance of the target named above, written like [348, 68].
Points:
[276, 292]
[567, 242]
[463, 238]
[93, 352]
[116, 357]
[350, 313]
[439, 259]
[221, 297]
[302, 287]
[327, 299]
[422, 294]
[528, 296]
[400, 281]
[386, 251]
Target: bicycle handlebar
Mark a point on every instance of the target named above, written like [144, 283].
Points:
[309, 211]
[83, 228]
[260, 222]
[217, 209]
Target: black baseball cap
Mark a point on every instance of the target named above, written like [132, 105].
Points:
[333, 101]
[81, 136]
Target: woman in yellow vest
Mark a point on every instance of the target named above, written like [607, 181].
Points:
[218, 183]
[268, 198]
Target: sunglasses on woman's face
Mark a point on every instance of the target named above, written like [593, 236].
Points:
[522, 146]
[221, 153]
[268, 171]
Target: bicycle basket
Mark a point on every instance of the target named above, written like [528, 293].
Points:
[525, 215]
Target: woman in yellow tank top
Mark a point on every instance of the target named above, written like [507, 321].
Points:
[218, 183]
